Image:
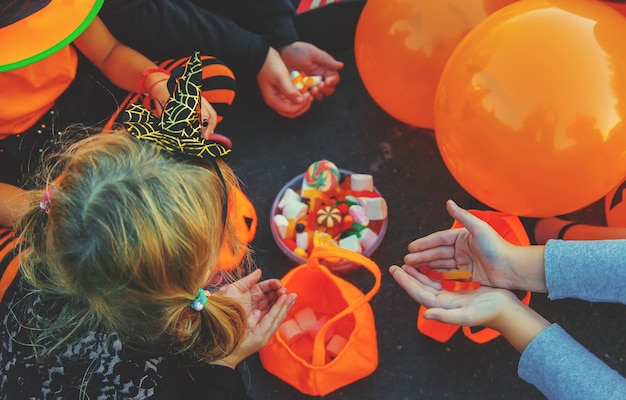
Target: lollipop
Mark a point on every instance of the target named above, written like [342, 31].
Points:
[322, 175]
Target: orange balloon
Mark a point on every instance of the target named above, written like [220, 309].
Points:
[530, 108]
[401, 47]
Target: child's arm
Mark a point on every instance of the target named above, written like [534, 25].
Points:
[13, 202]
[121, 64]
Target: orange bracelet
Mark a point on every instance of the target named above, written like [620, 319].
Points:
[142, 81]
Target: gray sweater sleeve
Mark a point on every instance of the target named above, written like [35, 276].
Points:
[561, 368]
[554, 362]
[586, 270]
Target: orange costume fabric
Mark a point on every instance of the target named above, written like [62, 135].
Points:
[34, 89]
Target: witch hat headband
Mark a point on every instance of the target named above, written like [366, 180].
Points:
[178, 129]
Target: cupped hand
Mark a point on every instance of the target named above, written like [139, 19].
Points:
[307, 58]
[278, 91]
[266, 304]
[483, 306]
[476, 247]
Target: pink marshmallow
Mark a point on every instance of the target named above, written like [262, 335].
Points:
[306, 318]
[320, 322]
[335, 345]
[290, 330]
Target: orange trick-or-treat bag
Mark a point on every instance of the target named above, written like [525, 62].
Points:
[328, 339]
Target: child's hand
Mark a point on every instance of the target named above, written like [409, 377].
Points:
[266, 304]
[307, 58]
[278, 91]
[478, 248]
[498, 309]
[483, 306]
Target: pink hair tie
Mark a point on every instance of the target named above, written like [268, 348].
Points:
[44, 204]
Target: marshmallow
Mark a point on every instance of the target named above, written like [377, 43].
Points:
[281, 222]
[360, 182]
[295, 209]
[290, 330]
[335, 345]
[302, 240]
[368, 238]
[350, 243]
[306, 318]
[359, 215]
[289, 195]
[375, 208]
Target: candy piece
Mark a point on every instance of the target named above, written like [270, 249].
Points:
[343, 207]
[359, 182]
[375, 208]
[307, 190]
[335, 345]
[300, 252]
[302, 240]
[323, 175]
[351, 200]
[457, 274]
[359, 215]
[289, 233]
[450, 279]
[318, 325]
[289, 195]
[368, 238]
[295, 209]
[306, 318]
[317, 198]
[281, 222]
[290, 244]
[350, 243]
[304, 82]
[290, 330]
[328, 216]
[323, 239]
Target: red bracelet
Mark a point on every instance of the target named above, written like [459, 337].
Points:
[142, 81]
[149, 91]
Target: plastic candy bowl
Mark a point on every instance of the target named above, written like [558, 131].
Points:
[352, 216]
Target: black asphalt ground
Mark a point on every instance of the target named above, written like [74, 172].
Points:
[352, 131]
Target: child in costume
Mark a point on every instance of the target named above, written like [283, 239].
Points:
[107, 277]
[47, 84]
[262, 41]
[551, 360]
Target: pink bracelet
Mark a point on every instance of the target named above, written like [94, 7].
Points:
[141, 84]
[149, 91]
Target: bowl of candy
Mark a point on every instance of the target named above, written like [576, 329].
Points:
[328, 206]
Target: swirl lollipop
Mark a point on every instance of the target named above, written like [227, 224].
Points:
[322, 175]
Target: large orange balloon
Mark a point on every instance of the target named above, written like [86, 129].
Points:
[401, 47]
[530, 108]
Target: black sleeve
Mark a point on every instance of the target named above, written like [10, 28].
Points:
[212, 382]
[164, 29]
[274, 19]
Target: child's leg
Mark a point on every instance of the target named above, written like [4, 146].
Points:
[556, 228]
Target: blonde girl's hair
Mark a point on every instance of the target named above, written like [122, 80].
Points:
[128, 236]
